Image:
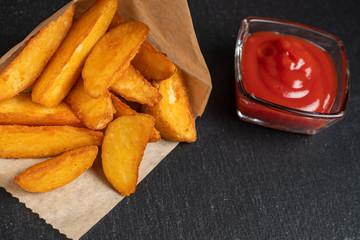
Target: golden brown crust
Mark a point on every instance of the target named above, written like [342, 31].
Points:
[21, 110]
[111, 56]
[28, 65]
[95, 113]
[65, 67]
[123, 148]
[135, 88]
[173, 114]
[152, 64]
[122, 109]
[57, 172]
[17, 141]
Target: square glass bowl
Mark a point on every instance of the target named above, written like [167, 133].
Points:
[261, 112]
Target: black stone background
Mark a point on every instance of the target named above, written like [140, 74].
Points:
[237, 181]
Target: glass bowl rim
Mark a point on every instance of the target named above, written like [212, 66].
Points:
[272, 105]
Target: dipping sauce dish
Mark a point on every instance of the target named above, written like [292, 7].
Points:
[289, 76]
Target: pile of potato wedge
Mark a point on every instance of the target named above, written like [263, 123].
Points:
[87, 83]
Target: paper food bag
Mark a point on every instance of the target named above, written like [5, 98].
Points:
[76, 207]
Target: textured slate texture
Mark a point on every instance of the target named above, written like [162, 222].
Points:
[238, 181]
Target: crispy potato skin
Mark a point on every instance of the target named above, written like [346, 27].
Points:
[57, 172]
[95, 113]
[111, 56]
[173, 114]
[152, 64]
[135, 88]
[27, 66]
[123, 148]
[65, 67]
[21, 110]
[122, 109]
[17, 141]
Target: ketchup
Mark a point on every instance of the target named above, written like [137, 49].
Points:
[288, 71]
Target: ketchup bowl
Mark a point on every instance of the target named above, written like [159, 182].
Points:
[289, 76]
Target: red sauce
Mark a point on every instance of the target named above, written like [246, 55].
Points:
[288, 71]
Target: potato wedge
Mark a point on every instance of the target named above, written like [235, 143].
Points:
[27, 66]
[135, 88]
[65, 67]
[95, 113]
[17, 141]
[111, 56]
[152, 64]
[122, 109]
[123, 148]
[173, 114]
[21, 110]
[57, 172]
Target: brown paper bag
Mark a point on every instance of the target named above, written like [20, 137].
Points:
[76, 207]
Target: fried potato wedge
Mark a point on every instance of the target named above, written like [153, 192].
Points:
[57, 172]
[152, 64]
[123, 148]
[122, 109]
[21, 110]
[65, 67]
[173, 114]
[111, 56]
[95, 113]
[28, 65]
[135, 88]
[17, 141]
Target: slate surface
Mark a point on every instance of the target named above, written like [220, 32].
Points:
[238, 181]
